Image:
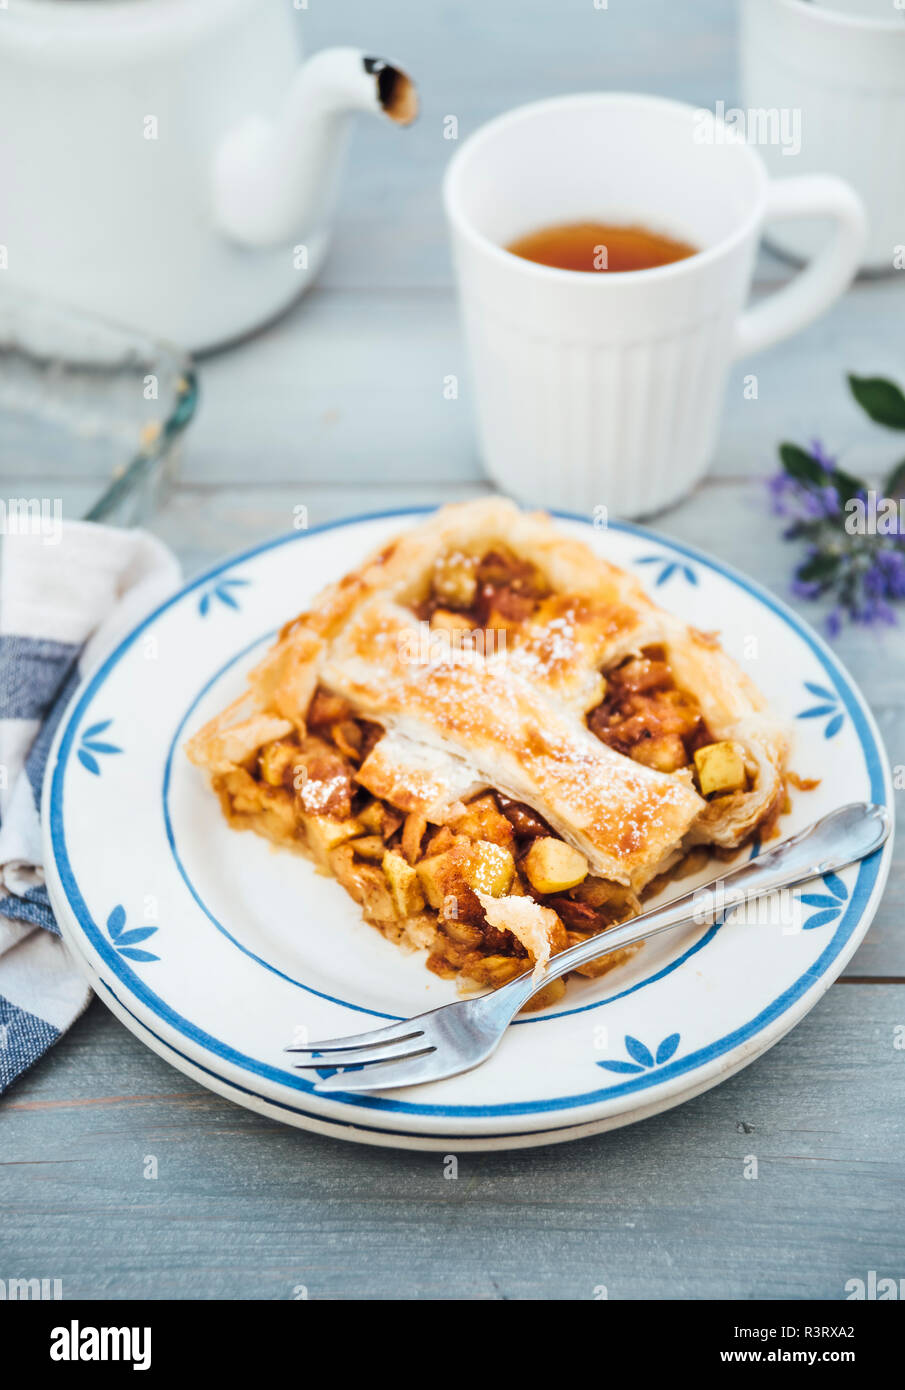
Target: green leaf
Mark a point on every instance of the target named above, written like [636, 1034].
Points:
[819, 569]
[847, 485]
[801, 466]
[882, 399]
[895, 483]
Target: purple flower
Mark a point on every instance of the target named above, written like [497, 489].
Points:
[875, 580]
[822, 457]
[793, 499]
[889, 569]
[781, 488]
[863, 574]
[834, 622]
[806, 588]
[873, 610]
[828, 498]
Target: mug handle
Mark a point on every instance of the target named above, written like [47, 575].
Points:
[826, 277]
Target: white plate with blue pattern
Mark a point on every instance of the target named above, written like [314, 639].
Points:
[218, 950]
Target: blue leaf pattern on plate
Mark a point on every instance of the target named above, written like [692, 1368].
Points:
[667, 568]
[819, 919]
[643, 1057]
[96, 729]
[829, 705]
[132, 938]
[90, 746]
[124, 940]
[222, 590]
[116, 922]
[835, 885]
[829, 905]
[638, 1052]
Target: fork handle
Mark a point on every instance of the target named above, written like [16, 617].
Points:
[840, 838]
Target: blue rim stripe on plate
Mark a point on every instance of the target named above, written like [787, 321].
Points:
[867, 873]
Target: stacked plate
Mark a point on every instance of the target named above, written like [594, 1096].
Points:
[218, 951]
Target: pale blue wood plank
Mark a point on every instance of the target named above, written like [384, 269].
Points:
[243, 1208]
[349, 388]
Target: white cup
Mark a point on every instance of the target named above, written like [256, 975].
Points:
[599, 389]
[841, 65]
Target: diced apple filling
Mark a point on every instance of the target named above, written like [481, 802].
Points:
[404, 885]
[477, 865]
[491, 892]
[664, 754]
[491, 869]
[455, 579]
[646, 717]
[720, 768]
[450, 621]
[276, 760]
[482, 820]
[552, 866]
[380, 819]
[323, 834]
[371, 847]
[434, 874]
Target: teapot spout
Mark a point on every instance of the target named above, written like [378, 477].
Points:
[397, 95]
[275, 180]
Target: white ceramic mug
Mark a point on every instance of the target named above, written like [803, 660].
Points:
[604, 389]
[841, 64]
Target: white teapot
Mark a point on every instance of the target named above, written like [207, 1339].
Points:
[167, 163]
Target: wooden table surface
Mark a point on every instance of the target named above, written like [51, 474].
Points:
[340, 407]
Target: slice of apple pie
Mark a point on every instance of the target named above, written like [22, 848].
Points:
[496, 743]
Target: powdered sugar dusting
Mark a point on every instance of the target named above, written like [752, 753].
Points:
[519, 736]
[316, 796]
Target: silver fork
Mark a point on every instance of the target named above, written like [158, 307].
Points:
[459, 1036]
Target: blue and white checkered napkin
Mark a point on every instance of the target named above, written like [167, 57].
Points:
[66, 598]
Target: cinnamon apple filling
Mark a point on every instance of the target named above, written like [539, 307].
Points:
[645, 716]
[447, 887]
[494, 590]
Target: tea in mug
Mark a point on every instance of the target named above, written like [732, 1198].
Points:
[600, 246]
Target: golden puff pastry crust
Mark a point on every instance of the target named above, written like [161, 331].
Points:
[512, 716]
